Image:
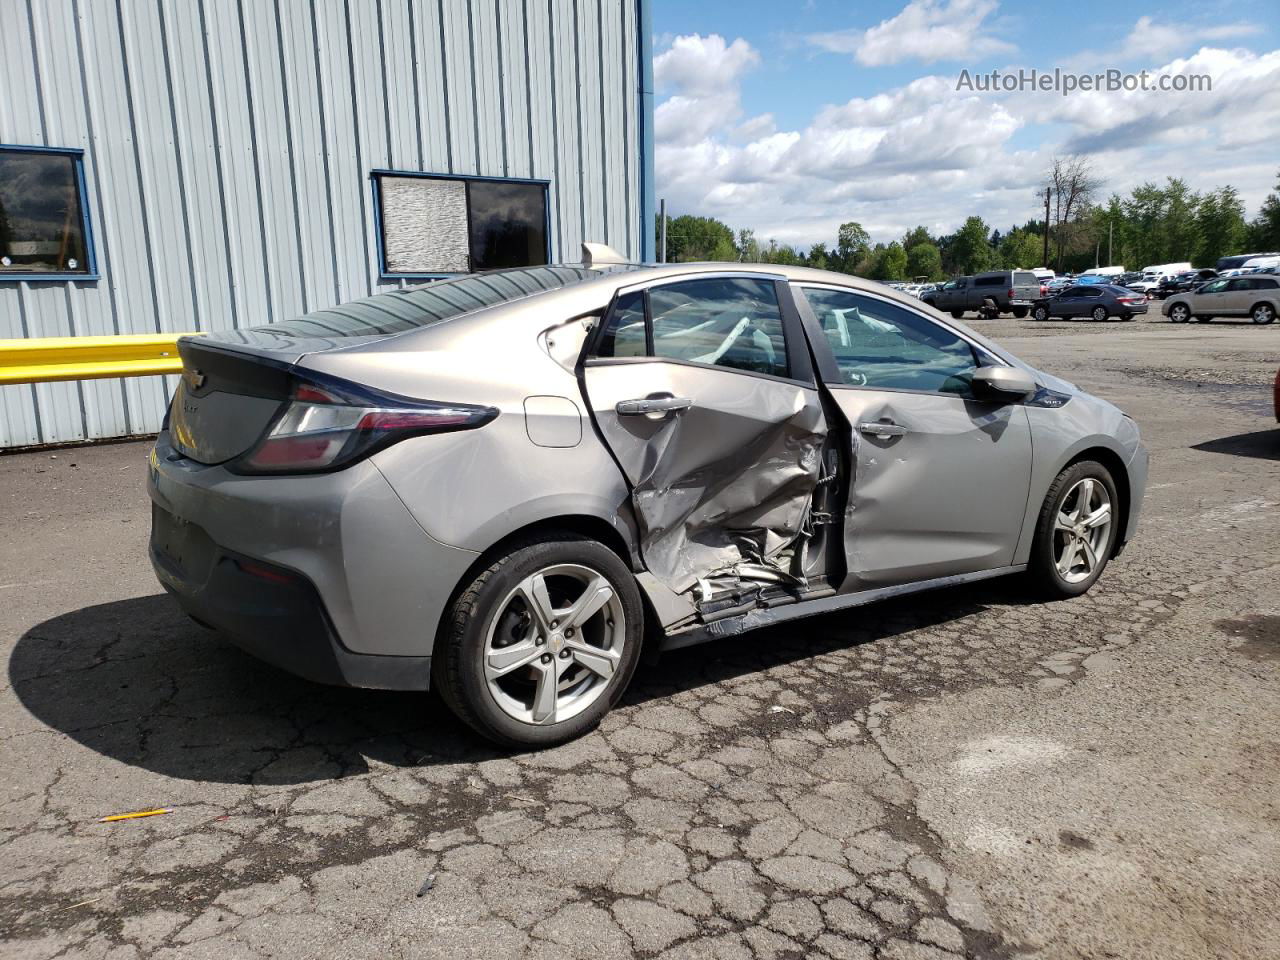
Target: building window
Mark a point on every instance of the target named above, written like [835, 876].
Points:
[431, 225]
[44, 221]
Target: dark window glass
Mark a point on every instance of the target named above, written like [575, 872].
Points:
[624, 332]
[997, 281]
[508, 224]
[398, 310]
[42, 228]
[728, 322]
[438, 225]
[882, 345]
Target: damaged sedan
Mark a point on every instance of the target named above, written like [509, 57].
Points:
[500, 486]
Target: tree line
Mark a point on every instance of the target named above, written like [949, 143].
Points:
[1155, 223]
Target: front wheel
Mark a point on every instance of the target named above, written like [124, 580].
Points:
[1075, 532]
[542, 643]
[1099, 314]
[1179, 313]
[1040, 313]
[957, 314]
[1263, 313]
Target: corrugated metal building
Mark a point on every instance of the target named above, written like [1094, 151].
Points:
[181, 165]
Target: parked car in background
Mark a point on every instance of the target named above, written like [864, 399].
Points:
[1098, 301]
[1255, 295]
[1239, 260]
[989, 294]
[466, 485]
[1060, 283]
[1127, 278]
[1187, 280]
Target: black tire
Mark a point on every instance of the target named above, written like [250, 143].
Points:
[1040, 313]
[989, 310]
[1099, 313]
[458, 669]
[1201, 318]
[1042, 569]
[1126, 317]
[1179, 313]
[1262, 313]
[1020, 313]
[957, 314]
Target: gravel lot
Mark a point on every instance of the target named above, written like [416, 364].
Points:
[959, 774]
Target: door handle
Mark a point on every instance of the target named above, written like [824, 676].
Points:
[648, 405]
[882, 431]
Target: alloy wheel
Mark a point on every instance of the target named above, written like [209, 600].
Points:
[1081, 530]
[1099, 314]
[1263, 313]
[554, 644]
[1179, 314]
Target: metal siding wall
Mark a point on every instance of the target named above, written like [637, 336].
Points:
[228, 145]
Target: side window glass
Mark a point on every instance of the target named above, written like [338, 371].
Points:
[624, 332]
[725, 321]
[882, 345]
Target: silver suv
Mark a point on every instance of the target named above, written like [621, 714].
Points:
[502, 485]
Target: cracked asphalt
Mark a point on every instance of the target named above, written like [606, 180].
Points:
[956, 774]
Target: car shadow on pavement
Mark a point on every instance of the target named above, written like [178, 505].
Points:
[1260, 444]
[136, 681]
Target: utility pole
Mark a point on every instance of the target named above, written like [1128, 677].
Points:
[1045, 258]
[1111, 260]
[662, 242]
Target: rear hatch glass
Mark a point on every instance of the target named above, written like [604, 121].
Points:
[235, 381]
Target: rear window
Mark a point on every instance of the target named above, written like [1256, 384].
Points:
[401, 310]
[1025, 278]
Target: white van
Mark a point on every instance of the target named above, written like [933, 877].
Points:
[1260, 263]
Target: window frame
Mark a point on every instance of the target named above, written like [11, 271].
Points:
[377, 173]
[829, 369]
[86, 221]
[795, 339]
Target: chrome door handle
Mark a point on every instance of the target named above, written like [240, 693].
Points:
[882, 431]
[633, 408]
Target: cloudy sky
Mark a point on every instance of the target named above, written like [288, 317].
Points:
[794, 117]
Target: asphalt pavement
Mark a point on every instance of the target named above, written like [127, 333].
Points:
[965, 773]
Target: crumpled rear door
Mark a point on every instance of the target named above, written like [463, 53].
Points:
[722, 462]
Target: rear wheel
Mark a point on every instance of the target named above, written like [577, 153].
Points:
[1179, 313]
[1040, 313]
[957, 314]
[1262, 313]
[1202, 318]
[542, 643]
[1075, 532]
[1099, 313]
[1019, 312]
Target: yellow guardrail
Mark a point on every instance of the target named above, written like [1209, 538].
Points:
[89, 358]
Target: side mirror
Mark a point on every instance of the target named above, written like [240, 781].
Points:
[1002, 383]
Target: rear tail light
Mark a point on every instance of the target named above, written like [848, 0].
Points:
[1013, 294]
[326, 427]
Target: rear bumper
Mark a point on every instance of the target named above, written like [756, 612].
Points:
[270, 612]
[363, 586]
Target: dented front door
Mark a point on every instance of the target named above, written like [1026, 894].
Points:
[940, 479]
[703, 391]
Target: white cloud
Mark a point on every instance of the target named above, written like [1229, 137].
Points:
[704, 74]
[925, 30]
[925, 153]
[1159, 41]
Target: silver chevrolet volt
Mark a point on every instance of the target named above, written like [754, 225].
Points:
[503, 485]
